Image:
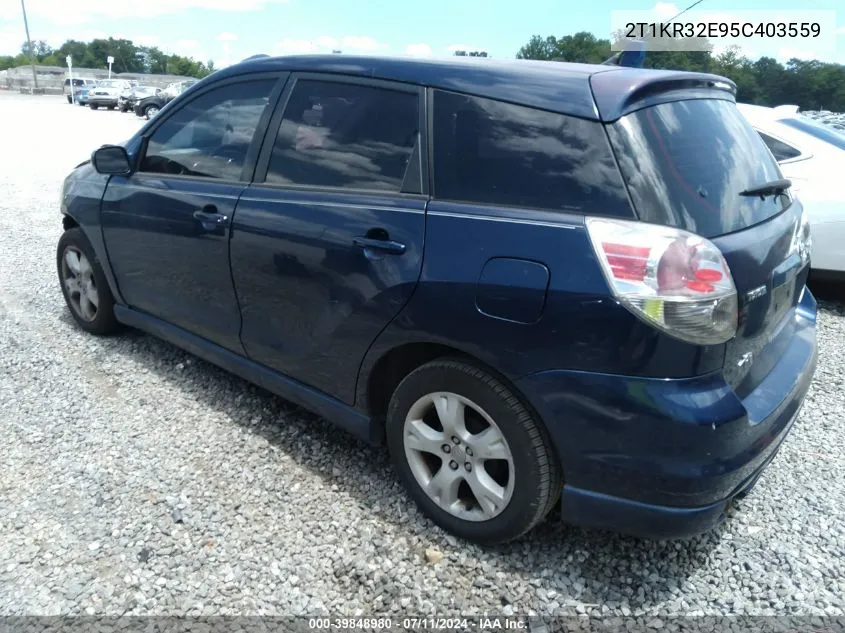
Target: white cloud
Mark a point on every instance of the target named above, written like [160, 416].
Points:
[289, 46]
[363, 43]
[327, 41]
[665, 10]
[418, 50]
[787, 53]
[146, 40]
[87, 35]
[81, 11]
[227, 37]
[186, 48]
[11, 38]
[327, 44]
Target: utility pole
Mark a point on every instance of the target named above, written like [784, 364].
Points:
[31, 50]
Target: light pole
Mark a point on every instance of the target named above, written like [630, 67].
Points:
[31, 51]
[69, 61]
[110, 60]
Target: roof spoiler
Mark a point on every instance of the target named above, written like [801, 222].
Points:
[633, 56]
[251, 57]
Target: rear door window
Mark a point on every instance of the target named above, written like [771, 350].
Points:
[491, 152]
[345, 135]
[686, 163]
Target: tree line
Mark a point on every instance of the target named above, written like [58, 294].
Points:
[812, 85]
[128, 58]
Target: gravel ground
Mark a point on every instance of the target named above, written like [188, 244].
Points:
[135, 479]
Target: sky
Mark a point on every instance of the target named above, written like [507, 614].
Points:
[227, 31]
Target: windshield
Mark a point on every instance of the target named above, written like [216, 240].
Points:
[686, 163]
[819, 130]
[106, 83]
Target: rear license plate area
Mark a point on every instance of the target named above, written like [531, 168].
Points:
[783, 298]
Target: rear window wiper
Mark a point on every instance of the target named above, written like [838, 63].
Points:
[771, 188]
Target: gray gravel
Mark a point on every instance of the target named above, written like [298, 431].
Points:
[135, 479]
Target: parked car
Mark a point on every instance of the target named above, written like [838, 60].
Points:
[176, 88]
[107, 92]
[148, 107]
[78, 84]
[82, 96]
[129, 98]
[537, 283]
[812, 155]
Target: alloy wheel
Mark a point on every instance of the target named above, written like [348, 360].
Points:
[78, 280]
[459, 456]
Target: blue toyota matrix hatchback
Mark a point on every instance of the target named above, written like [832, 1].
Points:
[537, 283]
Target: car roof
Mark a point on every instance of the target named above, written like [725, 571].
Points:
[590, 91]
[765, 112]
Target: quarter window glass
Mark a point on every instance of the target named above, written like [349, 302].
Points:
[487, 151]
[345, 135]
[781, 151]
[210, 136]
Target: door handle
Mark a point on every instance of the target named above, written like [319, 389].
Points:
[210, 218]
[385, 246]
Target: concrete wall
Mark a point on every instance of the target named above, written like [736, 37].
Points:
[51, 78]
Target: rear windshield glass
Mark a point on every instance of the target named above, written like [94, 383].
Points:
[819, 130]
[686, 163]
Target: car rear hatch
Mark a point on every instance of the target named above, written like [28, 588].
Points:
[689, 163]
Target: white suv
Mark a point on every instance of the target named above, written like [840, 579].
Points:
[812, 156]
[107, 92]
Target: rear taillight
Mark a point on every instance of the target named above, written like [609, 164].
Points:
[672, 279]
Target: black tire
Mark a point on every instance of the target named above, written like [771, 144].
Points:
[69, 99]
[537, 473]
[104, 322]
[93, 106]
[111, 107]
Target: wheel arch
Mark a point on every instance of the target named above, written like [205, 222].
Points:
[91, 229]
[68, 222]
[377, 384]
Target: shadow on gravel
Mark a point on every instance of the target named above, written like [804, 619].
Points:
[830, 295]
[577, 565]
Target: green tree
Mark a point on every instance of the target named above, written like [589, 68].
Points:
[733, 64]
[582, 47]
[128, 57]
[41, 50]
[770, 77]
[808, 84]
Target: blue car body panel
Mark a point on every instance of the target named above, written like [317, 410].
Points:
[655, 435]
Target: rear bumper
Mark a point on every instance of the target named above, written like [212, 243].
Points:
[664, 458]
[582, 507]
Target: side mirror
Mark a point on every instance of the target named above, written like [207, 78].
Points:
[111, 160]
